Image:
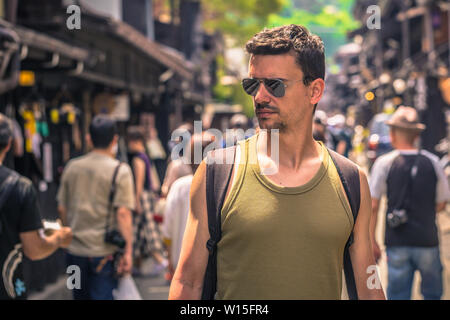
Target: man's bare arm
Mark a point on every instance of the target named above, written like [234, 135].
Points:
[187, 282]
[125, 227]
[368, 283]
[36, 247]
[441, 206]
[373, 227]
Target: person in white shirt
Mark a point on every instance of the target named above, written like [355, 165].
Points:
[177, 206]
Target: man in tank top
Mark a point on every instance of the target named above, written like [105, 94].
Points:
[283, 231]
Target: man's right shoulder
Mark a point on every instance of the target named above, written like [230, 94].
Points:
[124, 167]
[75, 162]
[385, 161]
[182, 183]
[23, 186]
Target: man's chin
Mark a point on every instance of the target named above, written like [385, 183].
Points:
[268, 125]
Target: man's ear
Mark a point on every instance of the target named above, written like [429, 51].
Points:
[316, 89]
[8, 146]
[115, 140]
[89, 141]
[392, 136]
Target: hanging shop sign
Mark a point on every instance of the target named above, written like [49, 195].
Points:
[103, 103]
[27, 78]
[117, 106]
[121, 109]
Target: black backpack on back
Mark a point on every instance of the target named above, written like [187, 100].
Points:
[218, 175]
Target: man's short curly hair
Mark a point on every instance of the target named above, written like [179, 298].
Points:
[308, 48]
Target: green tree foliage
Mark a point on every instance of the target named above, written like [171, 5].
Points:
[239, 19]
[330, 19]
[232, 93]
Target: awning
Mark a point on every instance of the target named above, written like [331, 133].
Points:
[31, 38]
[166, 56]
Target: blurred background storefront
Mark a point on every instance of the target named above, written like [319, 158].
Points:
[122, 61]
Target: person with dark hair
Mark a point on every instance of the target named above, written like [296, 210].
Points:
[284, 235]
[148, 240]
[20, 224]
[102, 131]
[85, 205]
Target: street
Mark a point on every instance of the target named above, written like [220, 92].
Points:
[150, 287]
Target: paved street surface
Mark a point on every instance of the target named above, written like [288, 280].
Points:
[150, 287]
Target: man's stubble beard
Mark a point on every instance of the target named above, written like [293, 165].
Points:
[281, 126]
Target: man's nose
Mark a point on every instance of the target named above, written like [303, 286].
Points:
[262, 95]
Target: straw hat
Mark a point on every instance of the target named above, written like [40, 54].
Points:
[406, 118]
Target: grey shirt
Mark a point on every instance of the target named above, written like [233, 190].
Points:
[381, 167]
[84, 192]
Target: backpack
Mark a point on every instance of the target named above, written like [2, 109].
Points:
[218, 175]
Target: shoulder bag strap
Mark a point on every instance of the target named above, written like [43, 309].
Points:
[112, 192]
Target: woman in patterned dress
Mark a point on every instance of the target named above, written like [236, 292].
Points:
[147, 236]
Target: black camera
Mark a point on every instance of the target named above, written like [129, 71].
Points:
[115, 238]
[396, 218]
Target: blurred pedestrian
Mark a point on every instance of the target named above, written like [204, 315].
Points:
[178, 167]
[320, 129]
[277, 240]
[177, 205]
[238, 130]
[148, 241]
[101, 225]
[416, 188]
[341, 135]
[20, 224]
[157, 155]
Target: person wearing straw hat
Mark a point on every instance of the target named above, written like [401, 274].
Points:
[416, 189]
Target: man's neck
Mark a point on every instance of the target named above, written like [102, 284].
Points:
[105, 152]
[293, 147]
[138, 150]
[405, 147]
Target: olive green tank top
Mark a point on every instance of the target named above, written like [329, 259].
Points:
[282, 242]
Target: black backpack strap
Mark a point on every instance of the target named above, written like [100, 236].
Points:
[6, 188]
[349, 174]
[218, 175]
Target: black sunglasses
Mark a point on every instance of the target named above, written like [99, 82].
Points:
[276, 87]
